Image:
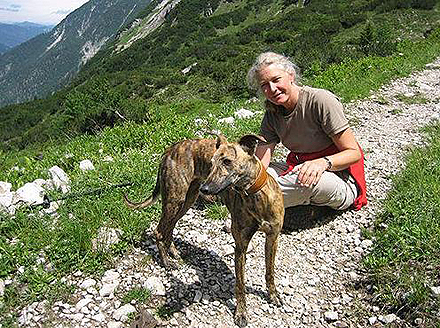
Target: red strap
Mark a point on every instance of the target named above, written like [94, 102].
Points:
[356, 170]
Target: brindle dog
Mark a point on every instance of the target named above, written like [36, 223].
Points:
[253, 198]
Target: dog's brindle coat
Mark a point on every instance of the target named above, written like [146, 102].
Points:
[233, 170]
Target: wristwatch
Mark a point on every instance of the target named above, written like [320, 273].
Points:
[329, 163]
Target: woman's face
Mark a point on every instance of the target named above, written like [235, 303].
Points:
[277, 86]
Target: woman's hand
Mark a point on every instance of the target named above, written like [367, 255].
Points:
[310, 172]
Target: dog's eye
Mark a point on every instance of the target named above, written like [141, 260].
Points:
[227, 161]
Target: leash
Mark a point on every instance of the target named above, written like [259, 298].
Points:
[46, 200]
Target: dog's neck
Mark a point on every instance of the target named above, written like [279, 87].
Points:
[261, 179]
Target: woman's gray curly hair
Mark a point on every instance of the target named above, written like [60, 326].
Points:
[266, 59]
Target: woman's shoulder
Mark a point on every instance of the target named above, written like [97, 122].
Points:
[319, 94]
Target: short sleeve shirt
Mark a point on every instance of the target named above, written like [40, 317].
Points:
[317, 116]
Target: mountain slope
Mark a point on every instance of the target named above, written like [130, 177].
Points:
[48, 61]
[198, 53]
[12, 35]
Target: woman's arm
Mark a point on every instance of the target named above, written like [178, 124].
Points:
[349, 153]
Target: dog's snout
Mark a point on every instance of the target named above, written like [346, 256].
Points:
[204, 189]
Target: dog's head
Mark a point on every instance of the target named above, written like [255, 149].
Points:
[233, 164]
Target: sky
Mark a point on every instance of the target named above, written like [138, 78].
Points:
[46, 12]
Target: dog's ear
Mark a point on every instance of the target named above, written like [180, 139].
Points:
[220, 139]
[249, 143]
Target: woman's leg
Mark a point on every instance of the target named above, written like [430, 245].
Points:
[336, 190]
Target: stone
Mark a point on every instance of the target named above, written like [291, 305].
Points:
[77, 316]
[387, 319]
[331, 316]
[87, 283]
[6, 196]
[5, 187]
[122, 313]
[100, 317]
[59, 179]
[227, 120]
[83, 303]
[155, 286]
[86, 165]
[107, 289]
[30, 194]
[435, 291]
[106, 238]
[41, 307]
[114, 324]
[110, 276]
[198, 296]
[2, 288]
[367, 243]
[244, 113]
[188, 69]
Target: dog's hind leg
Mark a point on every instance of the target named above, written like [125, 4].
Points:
[173, 208]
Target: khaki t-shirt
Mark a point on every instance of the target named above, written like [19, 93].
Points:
[318, 115]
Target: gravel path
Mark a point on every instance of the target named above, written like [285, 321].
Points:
[316, 268]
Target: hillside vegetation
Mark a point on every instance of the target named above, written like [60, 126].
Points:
[218, 40]
[132, 105]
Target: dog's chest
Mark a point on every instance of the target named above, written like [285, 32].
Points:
[246, 207]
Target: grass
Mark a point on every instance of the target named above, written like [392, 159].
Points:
[217, 211]
[140, 295]
[65, 241]
[412, 99]
[354, 79]
[405, 261]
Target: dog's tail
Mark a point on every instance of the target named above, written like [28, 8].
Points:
[149, 201]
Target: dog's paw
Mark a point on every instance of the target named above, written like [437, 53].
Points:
[174, 252]
[169, 265]
[275, 298]
[240, 319]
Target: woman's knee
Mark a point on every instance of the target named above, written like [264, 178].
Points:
[332, 191]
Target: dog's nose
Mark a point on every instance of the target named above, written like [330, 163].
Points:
[204, 189]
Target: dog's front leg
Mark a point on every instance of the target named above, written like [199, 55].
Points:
[242, 238]
[270, 252]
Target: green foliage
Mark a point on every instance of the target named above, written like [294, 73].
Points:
[377, 41]
[217, 211]
[219, 43]
[404, 263]
[136, 294]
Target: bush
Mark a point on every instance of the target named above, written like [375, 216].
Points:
[377, 40]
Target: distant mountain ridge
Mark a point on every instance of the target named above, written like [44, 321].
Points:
[14, 34]
[48, 61]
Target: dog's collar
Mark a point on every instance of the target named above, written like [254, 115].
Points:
[261, 179]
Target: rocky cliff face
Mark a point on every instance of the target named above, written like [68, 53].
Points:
[140, 28]
[48, 61]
